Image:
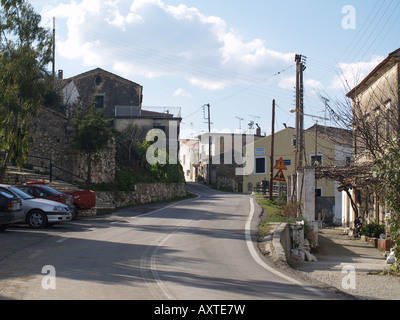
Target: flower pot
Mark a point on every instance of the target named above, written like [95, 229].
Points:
[384, 244]
[373, 241]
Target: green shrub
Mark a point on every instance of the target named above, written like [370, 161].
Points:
[372, 229]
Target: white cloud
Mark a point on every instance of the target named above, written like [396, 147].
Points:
[350, 75]
[181, 93]
[290, 83]
[152, 39]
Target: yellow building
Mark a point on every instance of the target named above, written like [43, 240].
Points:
[324, 146]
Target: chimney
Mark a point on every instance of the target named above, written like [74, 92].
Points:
[258, 131]
[60, 74]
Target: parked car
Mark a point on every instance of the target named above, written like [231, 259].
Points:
[45, 192]
[10, 209]
[39, 213]
[83, 199]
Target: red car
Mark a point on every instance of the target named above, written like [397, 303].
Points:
[46, 192]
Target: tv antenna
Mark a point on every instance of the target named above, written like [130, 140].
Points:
[240, 123]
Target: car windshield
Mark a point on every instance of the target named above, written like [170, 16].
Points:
[21, 194]
[5, 194]
[50, 190]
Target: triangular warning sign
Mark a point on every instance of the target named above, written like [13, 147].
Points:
[280, 165]
[280, 176]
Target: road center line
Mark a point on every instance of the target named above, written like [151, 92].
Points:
[161, 243]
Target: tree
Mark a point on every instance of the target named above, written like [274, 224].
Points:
[25, 51]
[386, 170]
[374, 120]
[92, 134]
[374, 116]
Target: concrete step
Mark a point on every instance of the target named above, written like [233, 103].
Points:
[14, 176]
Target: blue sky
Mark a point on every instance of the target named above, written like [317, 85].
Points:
[236, 55]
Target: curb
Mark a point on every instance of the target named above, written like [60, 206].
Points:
[279, 251]
[271, 245]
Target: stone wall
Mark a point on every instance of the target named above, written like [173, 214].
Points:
[142, 194]
[52, 135]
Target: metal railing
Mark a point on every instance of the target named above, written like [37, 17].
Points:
[138, 112]
[56, 172]
[128, 111]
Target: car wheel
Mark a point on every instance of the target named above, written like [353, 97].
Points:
[37, 219]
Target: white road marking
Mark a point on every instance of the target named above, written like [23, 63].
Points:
[158, 244]
[35, 254]
[257, 258]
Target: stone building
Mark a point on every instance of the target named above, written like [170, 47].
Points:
[121, 101]
[376, 110]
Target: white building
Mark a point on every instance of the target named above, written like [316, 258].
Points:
[189, 158]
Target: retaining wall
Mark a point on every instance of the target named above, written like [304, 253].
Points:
[142, 194]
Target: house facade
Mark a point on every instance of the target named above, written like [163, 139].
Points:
[189, 158]
[324, 147]
[227, 159]
[376, 111]
[121, 100]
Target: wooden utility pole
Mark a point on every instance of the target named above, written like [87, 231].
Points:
[271, 180]
[300, 67]
[54, 47]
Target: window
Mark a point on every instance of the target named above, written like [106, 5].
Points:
[159, 127]
[318, 192]
[316, 160]
[260, 166]
[6, 194]
[27, 190]
[99, 101]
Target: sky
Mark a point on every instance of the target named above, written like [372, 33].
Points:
[238, 56]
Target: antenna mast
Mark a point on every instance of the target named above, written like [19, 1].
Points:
[240, 124]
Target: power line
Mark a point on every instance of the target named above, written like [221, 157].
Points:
[370, 35]
[250, 86]
[241, 91]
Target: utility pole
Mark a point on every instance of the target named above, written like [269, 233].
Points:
[54, 47]
[271, 179]
[300, 68]
[209, 143]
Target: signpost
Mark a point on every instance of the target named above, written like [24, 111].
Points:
[280, 166]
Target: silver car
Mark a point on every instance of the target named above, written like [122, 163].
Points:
[39, 213]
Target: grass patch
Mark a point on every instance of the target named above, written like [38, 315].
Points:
[274, 209]
[277, 211]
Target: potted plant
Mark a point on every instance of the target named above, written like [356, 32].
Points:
[372, 231]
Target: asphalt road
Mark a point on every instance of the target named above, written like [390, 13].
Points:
[201, 248]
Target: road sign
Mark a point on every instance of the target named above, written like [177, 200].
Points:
[280, 165]
[280, 176]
